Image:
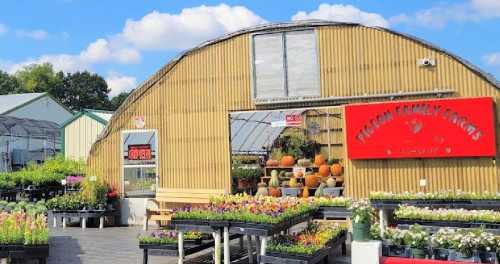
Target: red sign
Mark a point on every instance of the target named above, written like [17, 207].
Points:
[293, 120]
[139, 152]
[421, 129]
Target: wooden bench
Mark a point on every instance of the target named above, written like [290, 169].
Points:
[160, 208]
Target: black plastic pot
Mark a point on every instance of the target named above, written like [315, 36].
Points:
[441, 253]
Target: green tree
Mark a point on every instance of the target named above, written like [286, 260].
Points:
[82, 90]
[118, 100]
[8, 83]
[38, 78]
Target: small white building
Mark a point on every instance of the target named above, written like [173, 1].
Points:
[80, 132]
[37, 106]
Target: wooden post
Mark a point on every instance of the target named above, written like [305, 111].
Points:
[84, 222]
[217, 248]
[227, 257]
[180, 245]
[101, 222]
[249, 247]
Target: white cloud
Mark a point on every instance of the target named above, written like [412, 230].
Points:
[3, 29]
[36, 34]
[492, 59]
[440, 15]
[343, 13]
[179, 31]
[155, 30]
[118, 83]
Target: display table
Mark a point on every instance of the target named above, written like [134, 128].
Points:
[336, 212]
[84, 215]
[25, 252]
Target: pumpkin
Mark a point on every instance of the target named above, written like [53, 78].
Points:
[336, 169]
[305, 192]
[287, 160]
[262, 190]
[320, 191]
[274, 191]
[272, 163]
[274, 182]
[311, 181]
[298, 174]
[324, 170]
[331, 182]
[319, 160]
[293, 182]
[304, 162]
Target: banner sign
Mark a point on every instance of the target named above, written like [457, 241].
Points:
[139, 152]
[462, 127]
[293, 120]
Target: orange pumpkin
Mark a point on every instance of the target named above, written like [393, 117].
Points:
[324, 170]
[305, 192]
[311, 181]
[336, 169]
[287, 160]
[319, 160]
[274, 191]
[272, 163]
[298, 174]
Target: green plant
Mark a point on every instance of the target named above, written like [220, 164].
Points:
[36, 231]
[443, 196]
[246, 173]
[460, 215]
[416, 237]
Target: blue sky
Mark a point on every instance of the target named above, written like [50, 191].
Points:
[126, 41]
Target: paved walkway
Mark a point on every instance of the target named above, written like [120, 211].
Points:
[93, 246]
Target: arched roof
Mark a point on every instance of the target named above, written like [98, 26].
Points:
[141, 89]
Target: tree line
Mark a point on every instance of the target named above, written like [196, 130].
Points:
[76, 91]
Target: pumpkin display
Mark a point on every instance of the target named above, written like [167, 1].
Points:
[319, 160]
[304, 162]
[311, 181]
[324, 170]
[262, 190]
[272, 163]
[285, 183]
[274, 191]
[298, 174]
[305, 192]
[320, 191]
[330, 161]
[287, 160]
[293, 182]
[336, 169]
[289, 174]
[274, 182]
[331, 182]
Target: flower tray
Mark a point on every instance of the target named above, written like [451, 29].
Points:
[395, 251]
[316, 257]
[466, 204]
[332, 212]
[24, 251]
[262, 229]
[396, 260]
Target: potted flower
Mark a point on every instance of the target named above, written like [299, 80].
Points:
[361, 220]
[246, 176]
[465, 244]
[441, 243]
[417, 240]
[393, 243]
[487, 247]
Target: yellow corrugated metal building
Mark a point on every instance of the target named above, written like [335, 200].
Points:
[81, 131]
[186, 104]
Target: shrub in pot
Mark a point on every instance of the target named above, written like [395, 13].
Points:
[361, 220]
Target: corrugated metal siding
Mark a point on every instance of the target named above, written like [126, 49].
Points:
[79, 137]
[357, 61]
[190, 104]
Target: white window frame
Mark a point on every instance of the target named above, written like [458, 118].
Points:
[285, 62]
[122, 158]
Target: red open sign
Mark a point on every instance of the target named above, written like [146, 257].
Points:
[139, 152]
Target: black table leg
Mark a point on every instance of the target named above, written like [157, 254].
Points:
[145, 256]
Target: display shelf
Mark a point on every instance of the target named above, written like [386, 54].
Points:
[449, 204]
